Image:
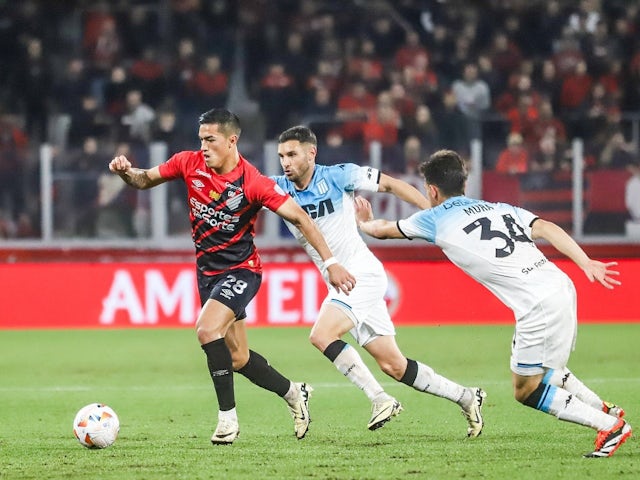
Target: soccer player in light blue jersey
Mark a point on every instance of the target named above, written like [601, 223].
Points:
[494, 244]
[327, 194]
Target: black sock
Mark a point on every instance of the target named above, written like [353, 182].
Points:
[410, 373]
[221, 371]
[534, 400]
[333, 349]
[264, 375]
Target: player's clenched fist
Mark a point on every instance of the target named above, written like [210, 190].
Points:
[119, 164]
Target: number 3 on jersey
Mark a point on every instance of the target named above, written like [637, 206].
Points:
[514, 233]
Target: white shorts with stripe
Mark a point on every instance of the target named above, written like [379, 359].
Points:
[545, 337]
[365, 305]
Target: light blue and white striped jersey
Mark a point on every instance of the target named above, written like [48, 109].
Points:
[492, 243]
[328, 199]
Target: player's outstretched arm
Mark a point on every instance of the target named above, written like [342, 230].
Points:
[139, 178]
[403, 191]
[562, 241]
[375, 228]
[339, 277]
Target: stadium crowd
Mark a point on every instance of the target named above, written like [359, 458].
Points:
[97, 77]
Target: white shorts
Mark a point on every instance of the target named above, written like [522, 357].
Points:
[545, 337]
[365, 305]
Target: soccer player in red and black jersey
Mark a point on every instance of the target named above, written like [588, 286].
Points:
[225, 193]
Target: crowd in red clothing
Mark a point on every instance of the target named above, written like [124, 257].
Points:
[523, 75]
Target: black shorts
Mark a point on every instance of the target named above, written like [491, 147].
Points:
[234, 288]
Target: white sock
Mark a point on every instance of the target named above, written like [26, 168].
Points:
[350, 364]
[228, 414]
[565, 379]
[570, 408]
[429, 381]
[292, 394]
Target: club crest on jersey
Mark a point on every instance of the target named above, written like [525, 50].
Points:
[234, 199]
[322, 186]
[214, 195]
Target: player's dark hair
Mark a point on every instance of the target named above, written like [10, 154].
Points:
[446, 170]
[300, 133]
[228, 122]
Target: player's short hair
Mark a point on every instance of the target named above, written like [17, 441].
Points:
[446, 170]
[300, 133]
[228, 122]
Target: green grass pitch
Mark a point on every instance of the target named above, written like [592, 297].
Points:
[157, 382]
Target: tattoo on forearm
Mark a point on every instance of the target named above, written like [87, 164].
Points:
[137, 178]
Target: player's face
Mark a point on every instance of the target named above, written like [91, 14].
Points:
[297, 161]
[218, 149]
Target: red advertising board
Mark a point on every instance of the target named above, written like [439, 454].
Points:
[118, 295]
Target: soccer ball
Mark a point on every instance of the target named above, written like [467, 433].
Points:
[96, 426]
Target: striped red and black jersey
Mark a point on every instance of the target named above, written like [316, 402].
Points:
[223, 210]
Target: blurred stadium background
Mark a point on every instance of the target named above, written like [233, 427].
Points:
[542, 98]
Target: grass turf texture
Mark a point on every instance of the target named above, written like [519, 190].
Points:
[157, 382]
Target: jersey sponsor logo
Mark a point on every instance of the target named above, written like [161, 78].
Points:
[369, 173]
[203, 173]
[325, 207]
[216, 218]
[197, 184]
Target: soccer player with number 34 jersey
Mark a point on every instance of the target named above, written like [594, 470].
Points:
[493, 243]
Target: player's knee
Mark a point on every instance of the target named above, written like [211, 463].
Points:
[319, 340]
[239, 359]
[393, 369]
[522, 392]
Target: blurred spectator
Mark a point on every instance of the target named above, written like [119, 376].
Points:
[421, 81]
[586, 17]
[140, 29]
[277, 94]
[575, 92]
[366, 66]
[409, 51]
[566, 54]
[70, 88]
[89, 121]
[505, 56]
[632, 192]
[115, 91]
[34, 86]
[138, 118]
[549, 155]
[546, 125]
[617, 152]
[102, 43]
[295, 59]
[334, 150]
[473, 97]
[452, 125]
[353, 107]
[423, 127]
[13, 157]
[147, 72]
[116, 204]
[600, 49]
[86, 165]
[514, 159]
[549, 84]
[382, 124]
[211, 84]
[319, 109]
[386, 34]
[413, 154]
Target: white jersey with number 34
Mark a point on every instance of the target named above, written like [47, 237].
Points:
[492, 243]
